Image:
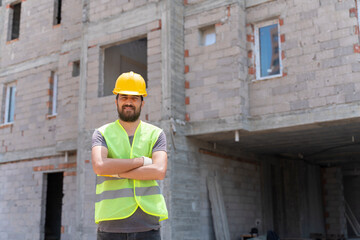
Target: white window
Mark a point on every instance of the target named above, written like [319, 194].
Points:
[268, 50]
[10, 103]
[207, 36]
[53, 94]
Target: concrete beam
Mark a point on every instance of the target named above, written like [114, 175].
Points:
[66, 146]
[275, 121]
[32, 63]
[145, 14]
[252, 3]
[28, 154]
[206, 6]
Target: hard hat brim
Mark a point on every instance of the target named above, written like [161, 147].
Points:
[129, 93]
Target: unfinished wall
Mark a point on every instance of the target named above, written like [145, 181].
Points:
[334, 201]
[41, 49]
[319, 41]
[22, 202]
[102, 110]
[191, 215]
[351, 181]
[215, 74]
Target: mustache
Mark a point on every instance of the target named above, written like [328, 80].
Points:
[128, 105]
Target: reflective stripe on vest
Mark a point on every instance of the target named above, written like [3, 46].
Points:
[118, 198]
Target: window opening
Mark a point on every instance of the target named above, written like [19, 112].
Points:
[53, 93]
[54, 195]
[126, 57]
[57, 12]
[76, 69]
[207, 36]
[15, 21]
[10, 104]
[268, 61]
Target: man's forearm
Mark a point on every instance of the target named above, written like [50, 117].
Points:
[112, 166]
[150, 172]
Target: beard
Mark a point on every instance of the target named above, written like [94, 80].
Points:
[128, 115]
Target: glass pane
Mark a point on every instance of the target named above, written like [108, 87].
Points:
[210, 38]
[269, 50]
[11, 104]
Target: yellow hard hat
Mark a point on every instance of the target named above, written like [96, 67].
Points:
[130, 83]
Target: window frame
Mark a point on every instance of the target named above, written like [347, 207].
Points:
[8, 102]
[11, 21]
[54, 94]
[205, 31]
[257, 49]
[57, 12]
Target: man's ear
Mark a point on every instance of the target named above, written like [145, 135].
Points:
[142, 103]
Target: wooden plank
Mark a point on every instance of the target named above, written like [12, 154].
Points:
[218, 208]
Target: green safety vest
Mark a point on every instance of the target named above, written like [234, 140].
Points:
[119, 198]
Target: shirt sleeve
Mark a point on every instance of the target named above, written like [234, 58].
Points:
[160, 144]
[98, 139]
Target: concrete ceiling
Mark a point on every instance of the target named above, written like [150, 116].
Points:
[321, 143]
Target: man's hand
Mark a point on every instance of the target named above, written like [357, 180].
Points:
[154, 171]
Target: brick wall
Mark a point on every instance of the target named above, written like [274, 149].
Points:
[102, 110]
[22, 201]
[320, 59]
[40, 49]
[215, 74]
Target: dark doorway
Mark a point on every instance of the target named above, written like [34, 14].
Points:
[54, 195]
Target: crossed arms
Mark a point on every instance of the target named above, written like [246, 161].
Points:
[129, 168]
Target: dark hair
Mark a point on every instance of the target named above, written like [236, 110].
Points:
[117, 97]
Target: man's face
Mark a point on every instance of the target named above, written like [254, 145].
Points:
[129, 107]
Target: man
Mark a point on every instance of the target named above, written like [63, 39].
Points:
[128, 155]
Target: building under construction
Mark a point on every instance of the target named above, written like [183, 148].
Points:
[259, 100]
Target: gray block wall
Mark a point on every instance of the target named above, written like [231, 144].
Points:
[189, 87]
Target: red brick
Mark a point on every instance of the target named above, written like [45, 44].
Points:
[251, 70]
[218, 24]
[185, 2]
[356, 30]
[282, 38]
[250, 53]
[284, 74]
[87, 161]
[356, 48]
[186, 53]
[187, 117]
[187, 84]
[281, 21]
[62, 229]
[228, 9]
[187, 69]
[147, 117]
[187, 100]
[92, 46]
[69, 173]
[250, 38]
[282, 54]
[66, 165]
[352, 12]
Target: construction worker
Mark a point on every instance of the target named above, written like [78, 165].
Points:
[128, 156]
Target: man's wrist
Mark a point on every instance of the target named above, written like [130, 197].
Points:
[147, 161]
